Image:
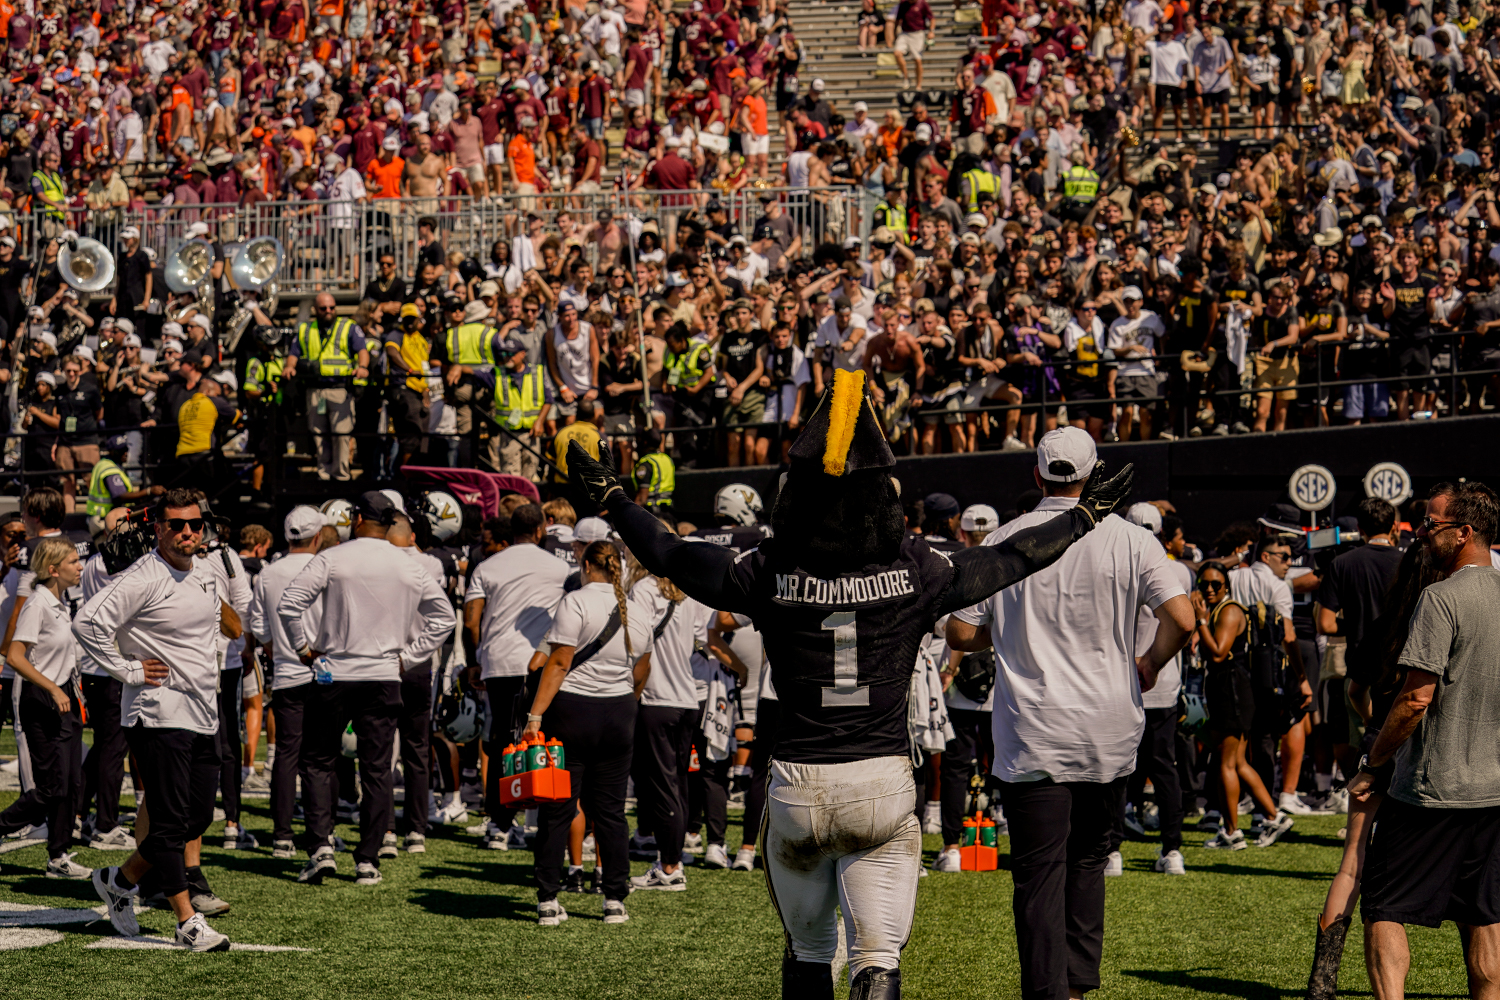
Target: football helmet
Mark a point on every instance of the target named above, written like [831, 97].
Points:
[738, 503]
[443, 512]
[340, 514]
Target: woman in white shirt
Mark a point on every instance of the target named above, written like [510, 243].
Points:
[47, 697]
[587, 699]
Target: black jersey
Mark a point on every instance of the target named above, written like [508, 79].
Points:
[740, 537]
[939, 543]
[842, 651]
[81, 540]
[562, 549]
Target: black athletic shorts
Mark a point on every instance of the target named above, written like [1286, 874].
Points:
[1231, 699]
[1412, 363]
[1166, 92]
[1425, 866]
[1260, 98]
[1217, 99]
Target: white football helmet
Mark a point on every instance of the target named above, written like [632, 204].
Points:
[465, 720]
[340, 514]
[738, 503]
[395, 498]
[443, 512]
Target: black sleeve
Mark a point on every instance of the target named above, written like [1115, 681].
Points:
[705, 572]
[983, 570]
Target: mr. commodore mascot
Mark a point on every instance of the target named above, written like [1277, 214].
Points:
[842, 596]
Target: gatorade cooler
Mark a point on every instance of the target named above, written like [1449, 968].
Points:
[537, 778]
[979, 851]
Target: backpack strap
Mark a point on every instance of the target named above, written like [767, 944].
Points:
[661, 626]
[599, 641]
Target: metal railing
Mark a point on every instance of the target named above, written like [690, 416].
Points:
[333, 245]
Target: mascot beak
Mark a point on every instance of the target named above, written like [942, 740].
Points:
[843, 435]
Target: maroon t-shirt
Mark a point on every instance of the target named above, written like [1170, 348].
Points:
[21, 27]
[670, 173]
[589, 150]
[642, 59]
[74, 141]
[489, 121]
[366, 146]
[222, 30]
[914, 15]
[593, 96]
[195, 83]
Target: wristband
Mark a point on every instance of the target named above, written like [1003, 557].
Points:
[533, 718]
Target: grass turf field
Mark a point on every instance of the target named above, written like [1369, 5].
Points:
[460, 922]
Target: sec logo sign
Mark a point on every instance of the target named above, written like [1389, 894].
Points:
[1388, 481]
[1311, 487]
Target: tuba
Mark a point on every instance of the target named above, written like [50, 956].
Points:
[189, 265]
[85, 264]
[253, 263]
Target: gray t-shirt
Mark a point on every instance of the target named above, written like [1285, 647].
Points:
[1452, 761]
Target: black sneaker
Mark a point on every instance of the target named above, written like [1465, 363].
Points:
[596, 881]
[573, 881]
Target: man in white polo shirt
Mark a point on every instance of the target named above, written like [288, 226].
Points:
[1067, 713]
[507, 611]
[291, 679]
[371, 593]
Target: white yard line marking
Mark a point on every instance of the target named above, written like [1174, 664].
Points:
[163, 944]
[16, 938]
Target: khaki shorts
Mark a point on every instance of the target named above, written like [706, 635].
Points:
[474, 173]
[911, 43]
[751, 411]
[1277, 373]
[77, 456]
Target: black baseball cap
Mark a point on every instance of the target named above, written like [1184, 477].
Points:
[376, 506]
[941, 505]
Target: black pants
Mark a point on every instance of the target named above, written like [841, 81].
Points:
[180, 774]
[507, 704]
[708, 790]
[973, 742]
[373, 707]
[230, 748]
[291, 710]
[104, 766]
[767, 732]
[663, 748]
[416, 750]
[54, 744]
[1156, 758]
[598, 736]
[1059, 842]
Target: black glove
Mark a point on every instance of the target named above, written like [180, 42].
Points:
[1100, 495]
[597, 476]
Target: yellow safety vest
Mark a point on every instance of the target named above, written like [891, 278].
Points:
[470, 344]
[686, 369]
[1080, 183]
[895, 218]
[54, 188]
[100, 502]
[518, 408]
[333, 357]
[663, 478]
[980, 182]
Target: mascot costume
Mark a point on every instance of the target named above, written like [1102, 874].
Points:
[842, 597]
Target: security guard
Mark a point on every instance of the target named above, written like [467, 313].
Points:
[689, 372]
[1080, 187]
[265, 369]
[522, 399]
[467, 354]
[890, 212]
[655, 475]
[980, 181]
[408, 353]
[109, 485]
[333, 349]
[51, 191]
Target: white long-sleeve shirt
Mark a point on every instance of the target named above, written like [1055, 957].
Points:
[95, 577]
[153, 610]
[235, 592]
[371, 594]
[288, 671]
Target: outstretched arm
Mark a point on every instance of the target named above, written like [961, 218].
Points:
[702, 571]
[981, 571]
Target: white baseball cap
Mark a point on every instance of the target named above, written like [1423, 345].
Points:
[1130, 292]
[1146, 516]
[172, 345]
[131, 340]
[390, 142]
[130, 233]
[1066, 455]
[861, 106]
[196, 229]
[128, 325]
[84, 351]
[979, 517]
[591, 529]
[302, 523]
[201, 320]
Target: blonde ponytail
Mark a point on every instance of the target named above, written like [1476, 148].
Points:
[605, 557]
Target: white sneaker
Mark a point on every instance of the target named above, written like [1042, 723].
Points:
[1288, 802]
[550, 913]
[416, 843]
[366, 874]
[37, 833]
[388, 847]
[693, 842]
[318, 867]
[1013, 443]
[118, 839]
[495, 839]
[948, 861]
[11, 766]
[1273, 828]
[715, 857]
[1171, 863]
[119, 903]
[744, 860]
[256, 783]
[655, 878]
[1339, 801]
[1219, 842]
[614, 912]
[589, 849]
[207, 903]
[932, 818]
[65, 867]
[198, 936]
[285, 850]
[1114, 865]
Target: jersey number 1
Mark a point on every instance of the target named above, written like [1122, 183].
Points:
[846, 692]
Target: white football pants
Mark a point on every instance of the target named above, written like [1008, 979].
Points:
[844, 835]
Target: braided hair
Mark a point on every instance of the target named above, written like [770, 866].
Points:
[605, 558]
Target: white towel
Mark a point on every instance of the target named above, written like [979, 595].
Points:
[718, 719]
[521, 253]
[1237, 336]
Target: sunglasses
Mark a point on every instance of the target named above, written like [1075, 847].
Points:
[1278, 555]
[1208, 585]
[1429, 525]
[176, 524]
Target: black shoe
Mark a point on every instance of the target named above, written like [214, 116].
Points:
[805, 980]
[1323, 983]
[596, 881]
[573, 881]
[876, 984]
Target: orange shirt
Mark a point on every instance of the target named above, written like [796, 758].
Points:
[6, 10]
[522, 160]
[331, 8]
[385, 176]
[890, 138]
[759, 120]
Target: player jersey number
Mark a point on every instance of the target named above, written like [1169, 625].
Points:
[846, 692]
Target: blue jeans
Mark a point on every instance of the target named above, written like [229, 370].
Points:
[1372, 401]
[595, 127]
